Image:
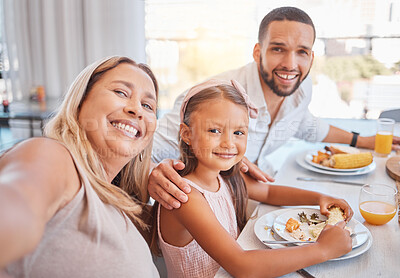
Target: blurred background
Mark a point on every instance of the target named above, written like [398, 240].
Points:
[46, 43]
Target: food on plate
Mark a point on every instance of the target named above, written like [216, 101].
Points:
[336, 215]
[309, 228]
[299, 234]
[342, 157]
[336, 149]
[321, 157]
[292, 224]
[316, 229]
[350, 161]
[314, 218]
[293, 227]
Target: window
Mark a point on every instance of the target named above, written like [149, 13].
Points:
[356, 72]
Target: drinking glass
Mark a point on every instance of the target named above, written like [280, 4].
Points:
[384, 137]
[377, 203]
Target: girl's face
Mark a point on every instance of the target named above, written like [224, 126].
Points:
[119, 112]
[218, 134]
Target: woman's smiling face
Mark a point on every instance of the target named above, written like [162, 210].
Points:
[119, 112]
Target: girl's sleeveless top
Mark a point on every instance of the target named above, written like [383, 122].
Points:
[191, 260]
[106, 245]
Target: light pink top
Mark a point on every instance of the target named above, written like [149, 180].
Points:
[191, 260]
[106, 245]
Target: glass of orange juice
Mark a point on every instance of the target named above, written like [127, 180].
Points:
[377, 203]
[384, 137]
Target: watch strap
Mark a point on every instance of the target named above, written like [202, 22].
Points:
[354, 139]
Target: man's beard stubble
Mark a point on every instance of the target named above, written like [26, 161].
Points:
[274, 87]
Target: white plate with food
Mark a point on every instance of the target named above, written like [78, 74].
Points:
[305, 224]
[264, 232]
[309, 159]
[300, 159]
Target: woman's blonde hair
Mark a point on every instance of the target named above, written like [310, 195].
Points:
[65, 128]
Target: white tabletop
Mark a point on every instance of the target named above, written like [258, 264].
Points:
[381, 260]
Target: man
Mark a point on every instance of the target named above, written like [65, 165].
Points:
[277, 83]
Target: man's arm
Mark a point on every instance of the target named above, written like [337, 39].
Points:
[168, 188]
[337, 135]
[254, 172]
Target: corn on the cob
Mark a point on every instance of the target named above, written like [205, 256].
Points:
[350, 161]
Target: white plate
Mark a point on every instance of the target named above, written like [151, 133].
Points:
[267, 220]
[309, 156]
[280, 225]
[301, 161]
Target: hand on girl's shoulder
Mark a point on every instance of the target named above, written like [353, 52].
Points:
[194, 195]
[195, 201]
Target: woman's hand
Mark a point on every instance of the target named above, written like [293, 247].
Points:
[335, 241]
[166, 186]
[326, 202]
[252, 170]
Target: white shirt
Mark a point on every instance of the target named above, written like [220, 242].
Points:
[293, 120]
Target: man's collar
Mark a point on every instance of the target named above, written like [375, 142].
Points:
[254, 89]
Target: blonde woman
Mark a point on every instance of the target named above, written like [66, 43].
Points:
[60, 214]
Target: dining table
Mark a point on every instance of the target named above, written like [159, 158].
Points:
[379, 256]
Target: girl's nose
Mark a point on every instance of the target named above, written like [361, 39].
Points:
[134, 108]
[227, 142]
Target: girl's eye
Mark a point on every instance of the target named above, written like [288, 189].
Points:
[214, 130]
[238, 133]
[121, 93]
[147, 106]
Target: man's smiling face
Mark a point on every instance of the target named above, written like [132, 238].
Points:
[285, 56]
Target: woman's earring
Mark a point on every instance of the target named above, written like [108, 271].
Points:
[140, 157]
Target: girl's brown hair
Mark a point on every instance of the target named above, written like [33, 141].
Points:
[65, 128]
[232, 177]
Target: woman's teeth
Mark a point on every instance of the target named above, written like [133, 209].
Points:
[126, 128]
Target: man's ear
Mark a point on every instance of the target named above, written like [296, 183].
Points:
[185, 133]
[256, 52]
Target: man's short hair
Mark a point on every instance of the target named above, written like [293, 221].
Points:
[281, 14]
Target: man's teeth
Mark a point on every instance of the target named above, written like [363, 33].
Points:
[287, 76]
[127, 128]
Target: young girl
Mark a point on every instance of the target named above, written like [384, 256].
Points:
[200, 236]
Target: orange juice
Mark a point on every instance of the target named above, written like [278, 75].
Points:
[377, 212]
[383, 142]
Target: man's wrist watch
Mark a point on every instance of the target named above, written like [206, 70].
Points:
[353, 142]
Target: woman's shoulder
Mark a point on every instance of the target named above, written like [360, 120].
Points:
[42, 155]
[39, 148]
[42, 165]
